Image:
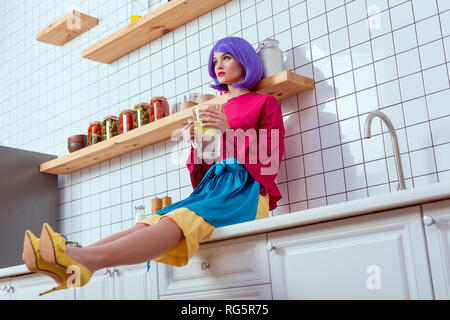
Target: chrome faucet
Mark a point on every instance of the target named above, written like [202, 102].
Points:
[398, 162]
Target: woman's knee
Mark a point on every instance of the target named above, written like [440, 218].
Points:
[139, 226]
[173, 226]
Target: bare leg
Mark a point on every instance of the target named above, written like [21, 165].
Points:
[136, 247]
[118, 235]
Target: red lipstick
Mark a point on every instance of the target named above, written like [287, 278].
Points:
[220, 74]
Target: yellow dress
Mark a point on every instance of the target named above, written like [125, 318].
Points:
[194, 228]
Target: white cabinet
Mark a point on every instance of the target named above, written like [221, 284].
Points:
[396, 254]
[29, 286]
[135, 283]
[5, 289]
[99, 287]
[437, 229]
[261, 292]
[374, 256]
[121, 283]
[219, 265]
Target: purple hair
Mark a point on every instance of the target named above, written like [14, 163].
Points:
[245, 54]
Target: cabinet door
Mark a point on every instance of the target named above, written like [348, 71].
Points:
[437, 230]
[132, 283]
[262, 292]
[374, 256]
[28, 287]
[100, 287]
[219, 265]
[4, 292]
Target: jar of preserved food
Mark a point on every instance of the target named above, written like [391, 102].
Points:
[94, 132]
[110, 127]
[126, 121]
[159, 108]
[141, 114]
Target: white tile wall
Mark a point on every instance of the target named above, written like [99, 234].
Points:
[364, 55]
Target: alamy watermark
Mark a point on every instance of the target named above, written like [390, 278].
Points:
[374, 19]
[74, 21]
[373, 282]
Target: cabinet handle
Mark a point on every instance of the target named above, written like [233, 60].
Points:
[428, 220]
[270, 246]
[112, 272]
[205, 265]
[5, 288]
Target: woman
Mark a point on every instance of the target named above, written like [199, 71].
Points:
[239, 186]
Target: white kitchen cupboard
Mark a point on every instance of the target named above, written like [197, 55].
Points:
[437, 230]
[28, 287]
[99, 287]
[121, 283]
[225, 264]
[135, 283]
[5, 289]
[261, 292]
[374, 256]
[394, 254]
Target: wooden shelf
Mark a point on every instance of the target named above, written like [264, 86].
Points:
[153, 25]
[66, 28]
[281, 86]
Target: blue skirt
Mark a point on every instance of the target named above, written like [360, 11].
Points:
[227, 194]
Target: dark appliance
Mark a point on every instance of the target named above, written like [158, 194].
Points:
[28, 198]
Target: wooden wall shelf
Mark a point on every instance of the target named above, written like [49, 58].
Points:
[281, 86]
[65, 29]
[153, 25]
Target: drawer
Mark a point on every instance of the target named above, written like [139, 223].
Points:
[223, 264]
[261, 292]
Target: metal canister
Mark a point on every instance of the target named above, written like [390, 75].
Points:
[191, 97]
[139, 213]
[271, 57]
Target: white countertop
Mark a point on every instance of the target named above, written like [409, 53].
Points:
[404, 198]
[13, 271]
[398, 199]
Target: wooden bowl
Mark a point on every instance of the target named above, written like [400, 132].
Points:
[77, 142]
[204, 97]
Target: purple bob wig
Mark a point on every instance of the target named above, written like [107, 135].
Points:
[245, 54]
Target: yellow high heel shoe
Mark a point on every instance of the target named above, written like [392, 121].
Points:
[53, 251]
[34, 262]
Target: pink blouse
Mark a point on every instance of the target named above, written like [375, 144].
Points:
[259, 145]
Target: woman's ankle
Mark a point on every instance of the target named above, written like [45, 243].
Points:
[77, 255]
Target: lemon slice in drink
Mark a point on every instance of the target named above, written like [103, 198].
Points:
[199, 129]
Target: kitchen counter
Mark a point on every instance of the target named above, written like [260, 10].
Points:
[404, 198]
[398, 199]
[14, 271]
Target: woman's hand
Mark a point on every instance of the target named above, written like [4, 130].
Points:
[188, 131]
[214, 118]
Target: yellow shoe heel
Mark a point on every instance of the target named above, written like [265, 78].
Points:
[35, 263]
[62, 287]
[53, 251]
